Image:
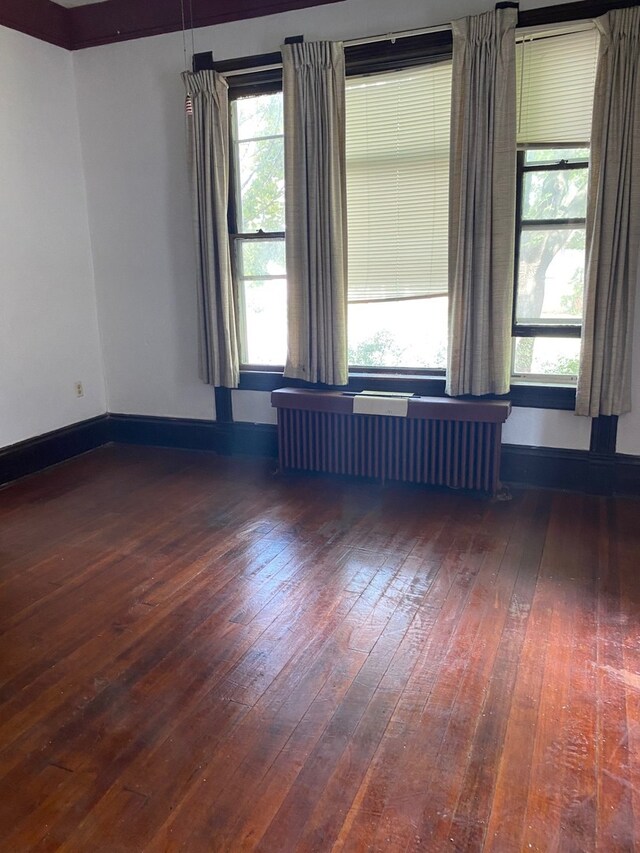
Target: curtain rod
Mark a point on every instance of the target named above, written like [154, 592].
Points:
[442, 28]
[521, 34]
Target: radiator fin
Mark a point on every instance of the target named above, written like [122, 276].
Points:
[457, 454]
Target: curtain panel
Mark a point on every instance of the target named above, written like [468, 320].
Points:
[613, 220]
[482, 192]
[207, 111]
[316, 220]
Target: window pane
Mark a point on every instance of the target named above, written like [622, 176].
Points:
[265, 318]
[558, 194]
[534, 156]
[259, 116]
[262, 258]
[410, 333]
[397, 154]
[547, 356]
[550, 275]
[261, 185]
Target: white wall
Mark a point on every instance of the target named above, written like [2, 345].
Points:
[629, 425]
[130, 103]
[253, 407]
[48, 321]
[131, 117]
[547, 428]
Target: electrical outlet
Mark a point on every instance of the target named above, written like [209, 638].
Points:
[79, 389]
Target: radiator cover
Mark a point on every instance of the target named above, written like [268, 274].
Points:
[442, 442]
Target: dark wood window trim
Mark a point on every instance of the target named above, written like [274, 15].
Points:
[604, 435]
[224, 408]
[522, 395]
[360, 59]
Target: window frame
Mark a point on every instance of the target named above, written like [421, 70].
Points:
[531, 392]
[360, 60]
[541, 330]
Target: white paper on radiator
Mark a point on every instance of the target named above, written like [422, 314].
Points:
[397, 408]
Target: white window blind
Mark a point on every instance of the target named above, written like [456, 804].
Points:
[397, 149]
[555, 84]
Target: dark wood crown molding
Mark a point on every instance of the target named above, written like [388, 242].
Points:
[122, 20]
[41, 19]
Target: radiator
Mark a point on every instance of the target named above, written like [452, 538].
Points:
[441, 442]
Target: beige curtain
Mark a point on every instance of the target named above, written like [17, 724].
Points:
[208, 143]
[613, 220]
[316, 221]
[482, 191]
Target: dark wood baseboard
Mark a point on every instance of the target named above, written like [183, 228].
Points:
[543, 467]
[41, 452]
[547, 467]
[572, 470]
[226, 438]
[627, 474]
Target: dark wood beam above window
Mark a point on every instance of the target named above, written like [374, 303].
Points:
[120, 20]
[573, 11]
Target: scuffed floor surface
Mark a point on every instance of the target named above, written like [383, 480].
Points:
[197, 655]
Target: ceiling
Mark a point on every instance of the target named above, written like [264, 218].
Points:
[71, 4]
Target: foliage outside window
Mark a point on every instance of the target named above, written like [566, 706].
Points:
[550, 261]
[258, 227]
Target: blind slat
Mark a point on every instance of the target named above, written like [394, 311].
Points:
[397, 149]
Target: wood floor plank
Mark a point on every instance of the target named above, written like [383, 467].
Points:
[468, 822]
[433, 691]
[197, 655]
[554, 744]
[615, 825]
[445, 601]
[628, 542]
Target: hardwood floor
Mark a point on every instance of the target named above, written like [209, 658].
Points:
[197, 655]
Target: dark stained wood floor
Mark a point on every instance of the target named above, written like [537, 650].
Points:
[195, 655]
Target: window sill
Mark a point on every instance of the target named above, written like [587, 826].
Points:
[524, 394]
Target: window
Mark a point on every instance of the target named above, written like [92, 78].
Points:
[556, 76]
[258, 228]
[397, 200]
[550, 260]
[397, 151]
